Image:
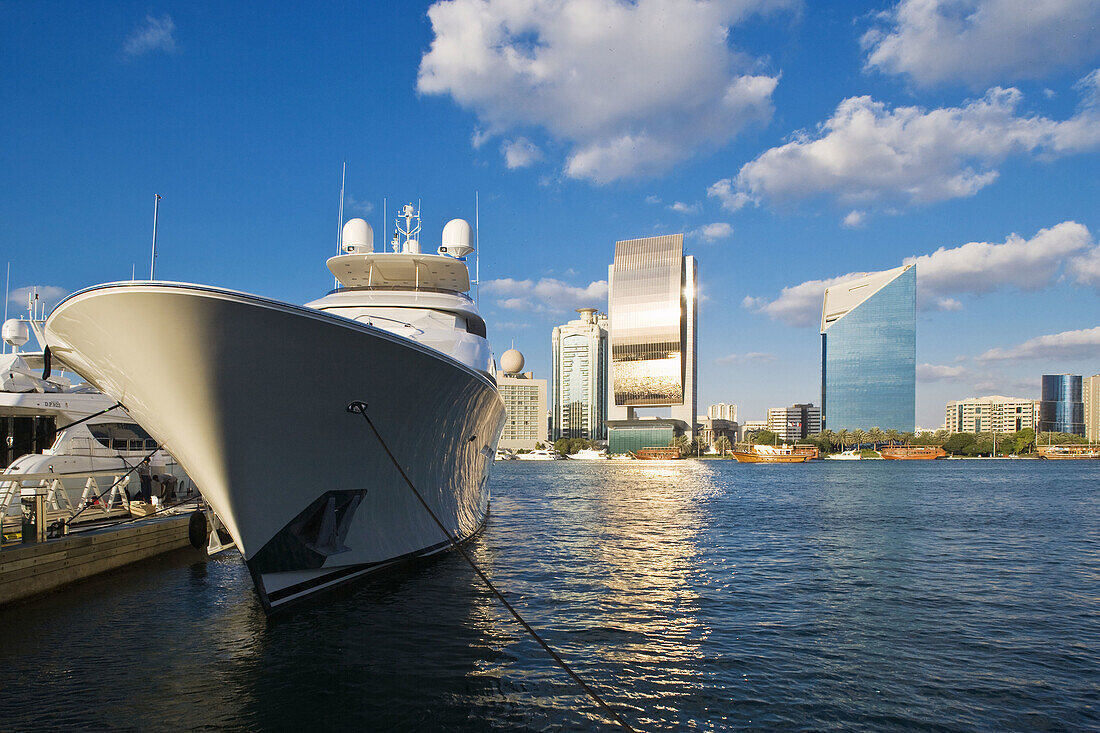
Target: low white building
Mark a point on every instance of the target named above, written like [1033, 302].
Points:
[994, 413]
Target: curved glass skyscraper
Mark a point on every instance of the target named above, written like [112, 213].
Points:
[869, 352]
[1062, 409]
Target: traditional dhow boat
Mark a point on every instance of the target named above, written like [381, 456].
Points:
[770, 454]
[254, 398]
[913, 453]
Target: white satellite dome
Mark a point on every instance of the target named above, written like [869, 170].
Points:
[357, 237]
[457, 238]
[511, 361]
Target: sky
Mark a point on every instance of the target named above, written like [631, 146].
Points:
[792, 143]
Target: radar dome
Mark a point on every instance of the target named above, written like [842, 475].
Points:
[16, 333]
[457, 236]
[357, 237]
[511, 361]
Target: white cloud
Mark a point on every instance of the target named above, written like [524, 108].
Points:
[730, 199]
[947, 304]
[972, 268]
[652, 199]
[155, 34]
[982, 267]
[978, 42]
[752, 356]
[1085, 269]
[520, 153]
[1081, 344]
[714, 232]
[681, 208]
[941, 373]
[855, 219]
[629, 88]
[358, 206]
[48, 295]
[867, 152]
[545, 295]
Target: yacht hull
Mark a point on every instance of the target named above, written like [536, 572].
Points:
[250, 395]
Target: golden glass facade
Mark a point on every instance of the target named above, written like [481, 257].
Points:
[648, 322]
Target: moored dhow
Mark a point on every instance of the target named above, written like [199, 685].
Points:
[252, 396]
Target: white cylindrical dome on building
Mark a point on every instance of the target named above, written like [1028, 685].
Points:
[511, 361]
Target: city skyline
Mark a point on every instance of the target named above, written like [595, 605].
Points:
[813, 143]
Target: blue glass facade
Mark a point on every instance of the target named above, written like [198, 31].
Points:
[1062, 409]
[869, 361]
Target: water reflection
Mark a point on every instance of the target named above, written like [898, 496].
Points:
[707, 595]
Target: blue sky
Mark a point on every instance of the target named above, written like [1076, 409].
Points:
[792, 143]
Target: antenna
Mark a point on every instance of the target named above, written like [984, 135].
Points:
[153, 259]
[7, 296]
[477, 249]
[340, 217]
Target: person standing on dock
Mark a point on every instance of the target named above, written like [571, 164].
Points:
[146, 477]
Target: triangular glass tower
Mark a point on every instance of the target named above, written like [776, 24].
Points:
[869, 352]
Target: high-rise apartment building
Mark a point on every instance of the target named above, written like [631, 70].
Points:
[580, 377]
[1090, 393]
[1062, 409]
[652, 309]
[524, 401]
[994, 413]
[794, 422]
[722, 411]
[869, 352]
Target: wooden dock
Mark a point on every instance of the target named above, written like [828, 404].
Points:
[31, 569]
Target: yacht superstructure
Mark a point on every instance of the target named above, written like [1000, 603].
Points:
[309, 495]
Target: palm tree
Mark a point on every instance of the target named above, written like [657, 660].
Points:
[827, 438]
[843, 438]
[908, 437]
[893, 436]
[722, 445]
[876, 436]
[681, 442]
[859, 437]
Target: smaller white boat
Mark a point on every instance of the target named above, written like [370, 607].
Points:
[588, 454]
[541, 455]
[623, 457]
[503, 454]
[848, 455]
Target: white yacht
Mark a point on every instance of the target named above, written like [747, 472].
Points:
[848, 455]
[541, 454]
[54, 433]
[588, 454]
[254, 397]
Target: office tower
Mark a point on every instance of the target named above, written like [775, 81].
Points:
[722, 411]
[869, 353]
[794, 422]
[1090, 389]
[1062, 409]
[653, 318]
[995, 413]
[524, 401]
[580, 377]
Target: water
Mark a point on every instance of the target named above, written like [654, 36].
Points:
[961, 595]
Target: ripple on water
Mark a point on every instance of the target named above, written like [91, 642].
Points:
[945, 596]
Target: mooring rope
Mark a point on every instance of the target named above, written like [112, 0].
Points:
[361, 408]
